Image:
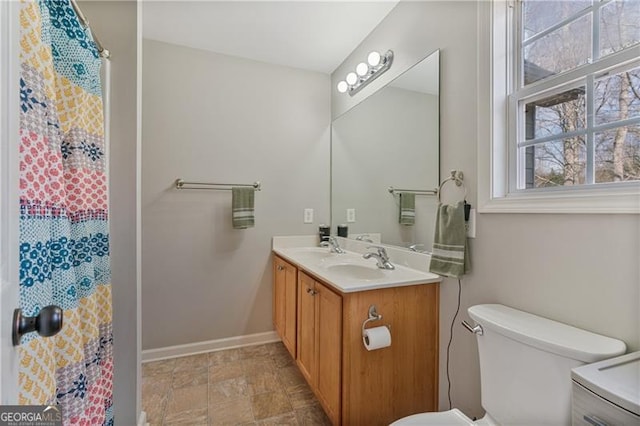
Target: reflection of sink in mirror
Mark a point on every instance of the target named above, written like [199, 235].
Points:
[355, 271]
[391, 138]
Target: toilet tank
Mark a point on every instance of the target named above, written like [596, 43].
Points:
[526, 362]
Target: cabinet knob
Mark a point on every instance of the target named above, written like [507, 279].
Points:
[311, 292]
[280, 268]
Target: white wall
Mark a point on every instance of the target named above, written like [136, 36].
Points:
[578, 269]
[216, 118]
[115, 24]
[369, 150]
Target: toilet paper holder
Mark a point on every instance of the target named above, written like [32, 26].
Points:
[373, 316]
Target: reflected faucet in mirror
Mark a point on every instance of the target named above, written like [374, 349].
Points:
[365, 238]
[419, 248]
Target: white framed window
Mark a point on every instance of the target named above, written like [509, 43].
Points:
[562, 131]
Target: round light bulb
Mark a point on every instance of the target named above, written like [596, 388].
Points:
[373, 58]
[352, 78]
[362, 69]
[342, 86]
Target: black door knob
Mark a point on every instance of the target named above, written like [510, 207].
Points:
[47, 323]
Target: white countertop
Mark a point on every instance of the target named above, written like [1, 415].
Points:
[350, 272]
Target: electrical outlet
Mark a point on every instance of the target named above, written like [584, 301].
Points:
[351, 215]
[308, 215]
[470, 225]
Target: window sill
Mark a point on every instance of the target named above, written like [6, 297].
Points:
[625, 201]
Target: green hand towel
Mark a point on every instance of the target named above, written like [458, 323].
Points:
[242, 208]
[450, 256]
[407, 208]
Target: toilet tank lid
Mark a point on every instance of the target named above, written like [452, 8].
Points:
[545, 334]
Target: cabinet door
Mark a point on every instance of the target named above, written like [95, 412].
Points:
[329, 344]
[306, 327]
[284, 302]
[279, 298]
[290, 319]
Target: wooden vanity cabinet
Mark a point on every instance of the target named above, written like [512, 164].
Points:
[356, 386]
[285, 277]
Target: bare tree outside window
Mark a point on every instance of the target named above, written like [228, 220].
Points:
[584, 131]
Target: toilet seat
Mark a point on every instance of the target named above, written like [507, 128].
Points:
[453, 417]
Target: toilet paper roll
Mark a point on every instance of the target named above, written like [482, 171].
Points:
[376, 338]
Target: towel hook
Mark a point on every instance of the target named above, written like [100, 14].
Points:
[456, 177]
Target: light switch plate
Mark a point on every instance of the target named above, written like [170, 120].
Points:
[308, 215]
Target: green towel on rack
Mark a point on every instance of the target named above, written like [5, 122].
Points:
[242, 200]
[407, 208]
[450, 255]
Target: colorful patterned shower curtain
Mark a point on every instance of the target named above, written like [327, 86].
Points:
[64, 234]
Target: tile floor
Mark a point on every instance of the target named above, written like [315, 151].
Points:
[254, 385]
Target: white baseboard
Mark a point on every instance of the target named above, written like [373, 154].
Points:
[209, 346]
[142, 420]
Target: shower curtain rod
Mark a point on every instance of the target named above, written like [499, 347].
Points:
[85, 23]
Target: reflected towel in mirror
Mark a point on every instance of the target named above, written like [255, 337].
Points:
[407, 208]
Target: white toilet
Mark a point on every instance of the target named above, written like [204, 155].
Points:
[525, 369]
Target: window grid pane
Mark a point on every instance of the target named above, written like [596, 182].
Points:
[557, 114]
[564, 49]
[561, 162]
[619, 26]
[617, 155]
[540, 17]
[616, 96]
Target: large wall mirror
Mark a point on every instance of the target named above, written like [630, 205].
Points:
[390, 139]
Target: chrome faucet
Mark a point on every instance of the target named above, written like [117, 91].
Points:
[364, 237]
[381, 257]
[333, 245]
[418, 248]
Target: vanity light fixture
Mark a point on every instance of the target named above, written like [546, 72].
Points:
[366, 72]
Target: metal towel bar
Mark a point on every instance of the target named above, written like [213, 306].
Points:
[393, 190]
[181, 184]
